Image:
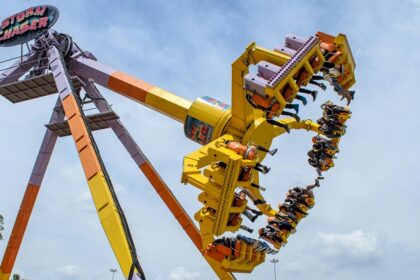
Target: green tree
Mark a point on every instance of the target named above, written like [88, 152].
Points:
[16, 277]
[1, 227]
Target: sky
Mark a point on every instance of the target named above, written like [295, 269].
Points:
[365, 223]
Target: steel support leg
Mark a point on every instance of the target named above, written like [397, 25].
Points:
[110, 213]
[152, 175]
[30, 196]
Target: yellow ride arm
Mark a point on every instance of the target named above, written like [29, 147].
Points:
[106, 203]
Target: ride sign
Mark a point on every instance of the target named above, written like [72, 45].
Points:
[27, 25]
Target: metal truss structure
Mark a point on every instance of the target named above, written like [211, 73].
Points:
[235, 140]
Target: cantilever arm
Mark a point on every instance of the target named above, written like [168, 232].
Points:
[151, 96]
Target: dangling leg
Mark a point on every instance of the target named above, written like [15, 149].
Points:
[271, 152]
[248, 214]
[313, 93]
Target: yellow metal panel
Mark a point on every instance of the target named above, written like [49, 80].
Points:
[110, 221]
[208, 200]
[259, 53]
[204, 184]
[239, 70]
[221, 273]
[260, 133]
[206, 112]
[228, 187]
[168, 103]
[216, 173]
[293, 124]
[215, 116]
[242, 111]
[348, 60]
[4, 276]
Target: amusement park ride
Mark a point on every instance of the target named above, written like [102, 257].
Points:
[235, 138]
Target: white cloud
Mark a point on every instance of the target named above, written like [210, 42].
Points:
[84, 197]
[293, 266]
[189, 53]
[357, 247]
[180, 273]
[120, 189]
[72, 172]
[69, 271]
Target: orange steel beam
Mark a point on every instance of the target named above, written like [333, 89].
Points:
[152, 175]
[18, 231]
[30, 197]
[140, 91]
[99, 186]
[106, 203]
[181, 215]
[146, 167]
[172, 203]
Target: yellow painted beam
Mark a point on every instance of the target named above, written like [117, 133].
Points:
[293, 124]
[100, 190]
[4, 276]
[153, 97]
[111, 222]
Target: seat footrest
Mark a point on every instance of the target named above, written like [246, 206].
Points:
[237, 257]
